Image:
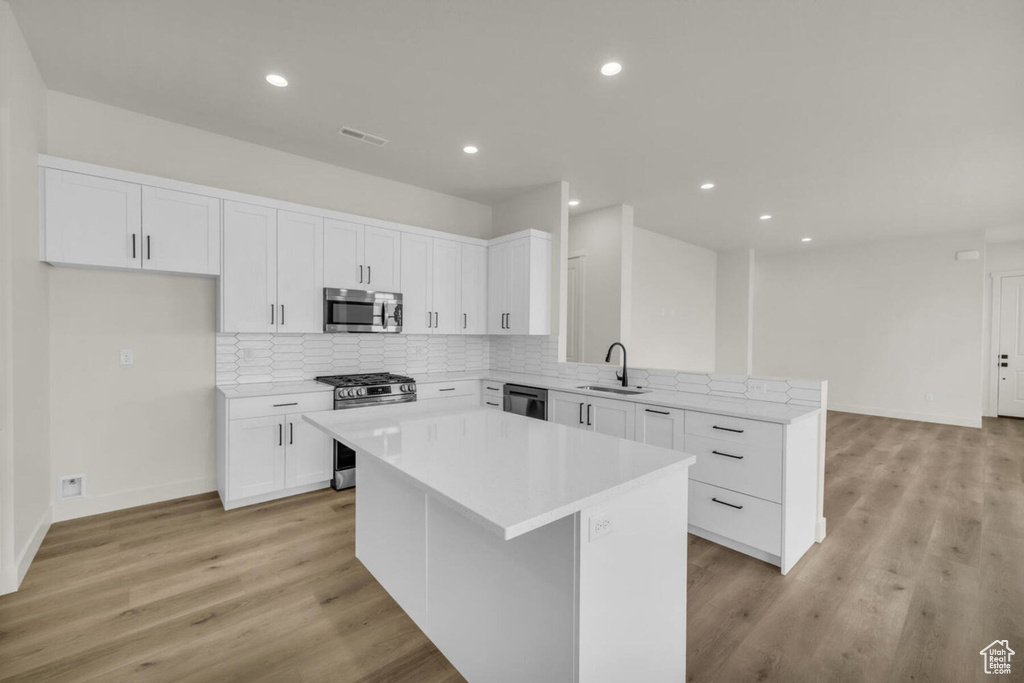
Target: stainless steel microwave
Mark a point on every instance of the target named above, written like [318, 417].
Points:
[356, 310]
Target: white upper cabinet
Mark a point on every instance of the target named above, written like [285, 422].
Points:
[343, 255]
[180, 232]
[473, 285]
[300, 279]
[519, 284]
[445, 290]
[91, 221]
[361, 256]
[431, 285]
[382, 248]
[417, 267]
[248, 281]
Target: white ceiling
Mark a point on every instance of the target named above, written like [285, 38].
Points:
[846, 120]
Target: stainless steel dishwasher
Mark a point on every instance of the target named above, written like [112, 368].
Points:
[528, 401]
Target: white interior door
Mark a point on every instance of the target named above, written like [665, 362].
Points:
[1011, 347]
[473, 289]
[383, 257]
[300, 277]
[343, 255]
[574, 309]
[445, 287]
[180, 232]
[417, 312]
[248, 280]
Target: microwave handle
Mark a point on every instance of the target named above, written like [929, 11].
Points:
[383, 315]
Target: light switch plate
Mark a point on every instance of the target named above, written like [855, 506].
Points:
[127, 357]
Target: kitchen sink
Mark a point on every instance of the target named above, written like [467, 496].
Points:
[615, 390]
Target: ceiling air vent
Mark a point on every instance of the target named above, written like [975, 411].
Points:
[360, 135]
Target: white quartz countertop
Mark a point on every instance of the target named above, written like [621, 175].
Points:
[751, 409]
[273, 388]
[510, 473]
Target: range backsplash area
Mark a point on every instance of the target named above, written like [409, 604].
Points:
[250, 358]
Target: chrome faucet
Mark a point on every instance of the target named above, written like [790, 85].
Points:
[608, 359]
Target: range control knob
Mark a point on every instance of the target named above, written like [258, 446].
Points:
[350, 392]
[361, 392]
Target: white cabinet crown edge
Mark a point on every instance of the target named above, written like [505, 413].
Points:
[47, 161]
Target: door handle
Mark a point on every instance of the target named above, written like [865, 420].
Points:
[149, 248]
[722, 502]
[280, 434]
[658, 412]
[1004, 365]
[464, 321]
[291, 433]
[383, 315]
[589, 406]
[272, 307]
[282, 405]
[360, 273]
[282, 314]
[429, 319]
[133, 245]
[435, 320]
[369, 274]
[581, 413]
[492, 404]
[727, 455]
[448, 389]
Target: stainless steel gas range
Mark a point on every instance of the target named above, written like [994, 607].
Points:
[355, 391]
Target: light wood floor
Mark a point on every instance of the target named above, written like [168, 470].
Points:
[923, 566]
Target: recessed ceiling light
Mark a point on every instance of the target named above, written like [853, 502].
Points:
[766, 217]
[574, 202]
[806, 239]
[470, 149]
[275, 79]
[611, 68]
[707, 186]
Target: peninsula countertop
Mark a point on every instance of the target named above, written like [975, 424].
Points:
[511, 474]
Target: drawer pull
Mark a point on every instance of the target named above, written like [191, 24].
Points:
[722, 502]
[493, 388]
[448, 389]
[282, 405]
[659, 412]
[728, 455]
[727, 429]
[492, 404]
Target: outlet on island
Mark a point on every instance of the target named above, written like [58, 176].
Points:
[600, 525]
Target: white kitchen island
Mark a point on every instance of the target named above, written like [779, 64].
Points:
[525, 550]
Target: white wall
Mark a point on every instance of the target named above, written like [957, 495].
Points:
[146, 433]
[544, 208]
[999, 257]
[674, 304]
[25, 482]
[734, 323]
[599, 236]
[884, 323]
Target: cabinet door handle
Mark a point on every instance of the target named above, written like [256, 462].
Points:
[448, 389]
[291, 433]
[722, 502]
[728, 455]
[658, 412]
[435, 320]
[133, 245]
[508, 322]
[589, 406]
[464, 321]
[280, 434]
[282, 405]
[360, 273]
[581, 413]
[282, 314]
[429, 319]
[149, 248]
[369, 274]
[272, 307]
[727, 429]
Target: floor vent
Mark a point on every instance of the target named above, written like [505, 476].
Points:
[360, 135]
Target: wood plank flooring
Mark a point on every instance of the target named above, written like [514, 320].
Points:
[923, 566]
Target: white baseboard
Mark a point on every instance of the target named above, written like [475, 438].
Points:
[956, 420]
[95, 505]
[819, 530]
[11, 577]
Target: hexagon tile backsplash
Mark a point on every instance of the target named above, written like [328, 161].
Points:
[251, 358]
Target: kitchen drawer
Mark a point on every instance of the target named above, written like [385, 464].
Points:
[734, 429]
[494, 389]
[261, 406]
[754, 522]
[754, 469]
[491, 402]
[469, 387]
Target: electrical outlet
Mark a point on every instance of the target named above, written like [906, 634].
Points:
[929, 396]
[127, 357]
[600, 525]
[757, 386]
[248, 354]
[71, 487]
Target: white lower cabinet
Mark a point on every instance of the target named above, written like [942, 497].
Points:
[458, 393]
[601, 415]
[266, 452]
